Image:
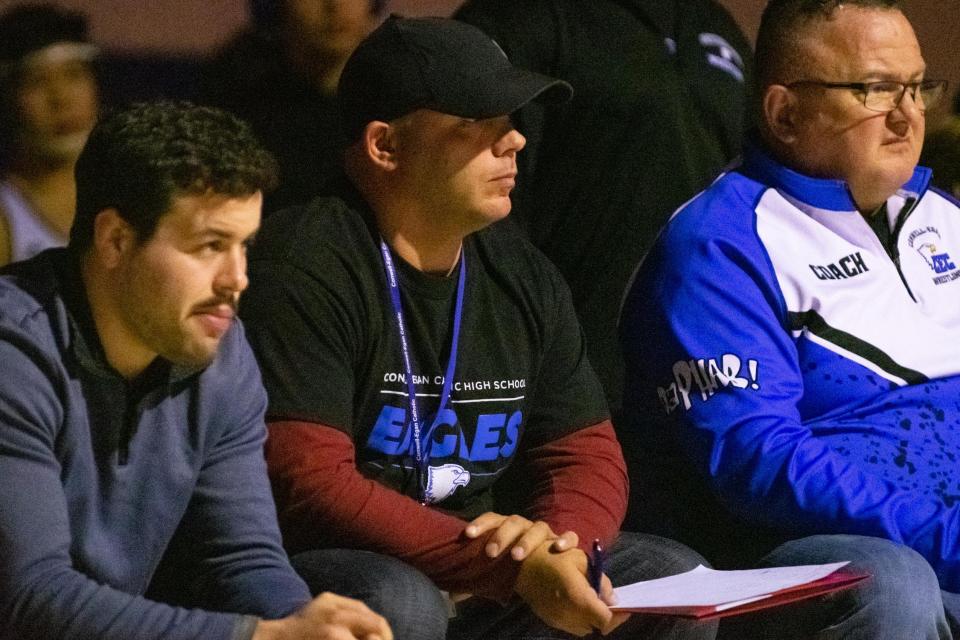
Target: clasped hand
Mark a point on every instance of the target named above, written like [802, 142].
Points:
[552, 579]
[327, 617]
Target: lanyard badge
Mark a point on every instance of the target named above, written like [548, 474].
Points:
[421, 436]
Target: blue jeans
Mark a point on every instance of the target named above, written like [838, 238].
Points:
[414, 607]
[416, 610]
[634, 557]
[951, 607]
[902, 601]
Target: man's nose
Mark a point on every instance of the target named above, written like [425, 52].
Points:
[232, 277]
[907, 114]
[511, 142]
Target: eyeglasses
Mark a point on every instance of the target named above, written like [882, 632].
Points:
[885, 95]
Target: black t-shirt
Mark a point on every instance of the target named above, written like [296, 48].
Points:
[658, 110]
[319, 317]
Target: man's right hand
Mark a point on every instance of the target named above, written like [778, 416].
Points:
[555, 587]
[517, 534]
[327, 617]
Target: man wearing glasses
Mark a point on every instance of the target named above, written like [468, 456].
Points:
[793, 339]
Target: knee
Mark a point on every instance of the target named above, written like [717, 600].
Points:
[637, 556]
[900, 577]
[902, 597]
[893, 566]
[409, 600]
[902, 588]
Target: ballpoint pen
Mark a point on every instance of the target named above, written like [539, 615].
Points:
[595, 566]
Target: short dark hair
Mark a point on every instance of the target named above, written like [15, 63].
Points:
[139, 158]
[26, 29]
[31, 27]
[781, 22]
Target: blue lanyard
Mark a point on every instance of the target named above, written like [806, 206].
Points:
[421, 455]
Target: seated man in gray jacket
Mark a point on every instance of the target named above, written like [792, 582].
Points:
[131, 409]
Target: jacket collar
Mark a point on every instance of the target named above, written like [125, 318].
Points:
[821, 193]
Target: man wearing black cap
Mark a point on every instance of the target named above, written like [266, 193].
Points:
[426, 372]
[48, 104]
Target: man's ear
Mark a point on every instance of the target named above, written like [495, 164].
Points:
[113, 237]
[780, 114]
[380, 144]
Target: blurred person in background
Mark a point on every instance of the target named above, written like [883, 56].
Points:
[658, 109]
[281, 76]
[48, 103]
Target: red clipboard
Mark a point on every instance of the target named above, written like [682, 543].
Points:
[836, 581]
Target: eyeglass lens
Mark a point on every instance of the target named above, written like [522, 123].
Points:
[886, 96]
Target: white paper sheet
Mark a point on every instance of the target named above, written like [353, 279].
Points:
[704, 587]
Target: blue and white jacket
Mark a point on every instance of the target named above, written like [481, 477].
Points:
[787, 375]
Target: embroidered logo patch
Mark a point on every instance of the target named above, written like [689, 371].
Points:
[928, 243]
[443, 480]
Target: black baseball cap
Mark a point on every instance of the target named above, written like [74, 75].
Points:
[26, 29]
[439, 64]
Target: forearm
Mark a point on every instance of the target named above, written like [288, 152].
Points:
[326, 502]
[788, 479]
[66, 605]
[44, 592]
[578, 483]
[231, 527]
[44, 595]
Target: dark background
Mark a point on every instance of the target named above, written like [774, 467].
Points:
[138, 34]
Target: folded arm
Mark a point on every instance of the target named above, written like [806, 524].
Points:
[577, 483]
[326, 501]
